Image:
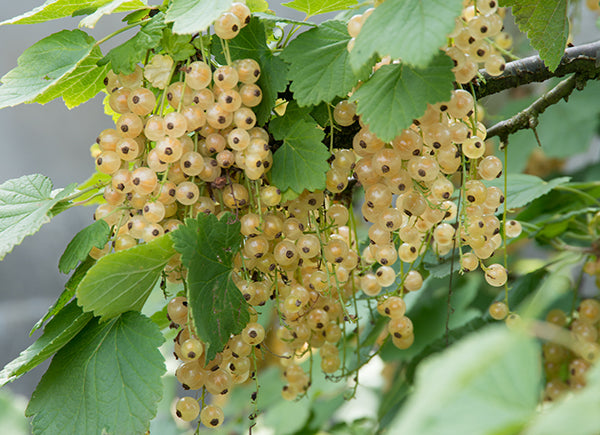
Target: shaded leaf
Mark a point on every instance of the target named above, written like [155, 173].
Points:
[25, 205]
[68, 292]
[122, 281]
[191, 16]
[43, 65]
[54, 9]
[106, 379]
[524, 188]
[486, 383]
[424, 26]
[216, 306]
[301, 162]
[80, 85]
[397, 94]
[125, 57]
[319, 64]
[58, 332]
[77, 250]
[546, 24]
[251, 43]
[316, 7]
[113, 7]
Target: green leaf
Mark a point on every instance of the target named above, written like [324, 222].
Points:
[106, 380]
[316, 7]
[68, 292]
[53, 9]
[113, 7]
[217, 308]
[301, 162]
[575, 414]
[122, 281]
[77, 250]
[44, 65]
[524, 188]
[251, 43]
[487, 383]
[58, 332]
[79, 86]
[319, 64]
[191, 16]
[546, 24]
[397, 94]
[257, 5]
[25, 205]
[265, 16]
[179, 47]
[125, 57]
[423, 26]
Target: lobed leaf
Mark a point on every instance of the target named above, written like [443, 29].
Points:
[317, 7]
[67, 294]
[122, 281]
[54, 9]
[191, 16]
[397, 94]
[409, 30]
[301, 162]
[58, 332]
[25, 205]
[546, 24]
[558, 418]
[319, 64]
[251, 43]
[126, 56]
[524, 188]
[216, 306]
[491, 380]
[80, 85]
[44, 65]
[114, 6]
[105, 380]
[79, 247]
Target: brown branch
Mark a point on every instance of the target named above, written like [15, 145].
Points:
[582, 59]
[528, 118]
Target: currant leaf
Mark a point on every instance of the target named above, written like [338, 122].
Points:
[546, 24]
[58, 332]
[122, 281]
[54, 9]
[396, 94]
[126, 56]
[77, 250]
[106, 379]
[317, 7]
[25, 205]
[67, 294]
[80, 85]
[43, 65]
[251, 43]
[191, 16]
[301, 162]
[112, 7]
[494, 374]
[424, 25]
[217, 307]
[524, 188]
[319, 64]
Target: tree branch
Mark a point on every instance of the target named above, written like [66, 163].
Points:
[582, 59]
[528, 118]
